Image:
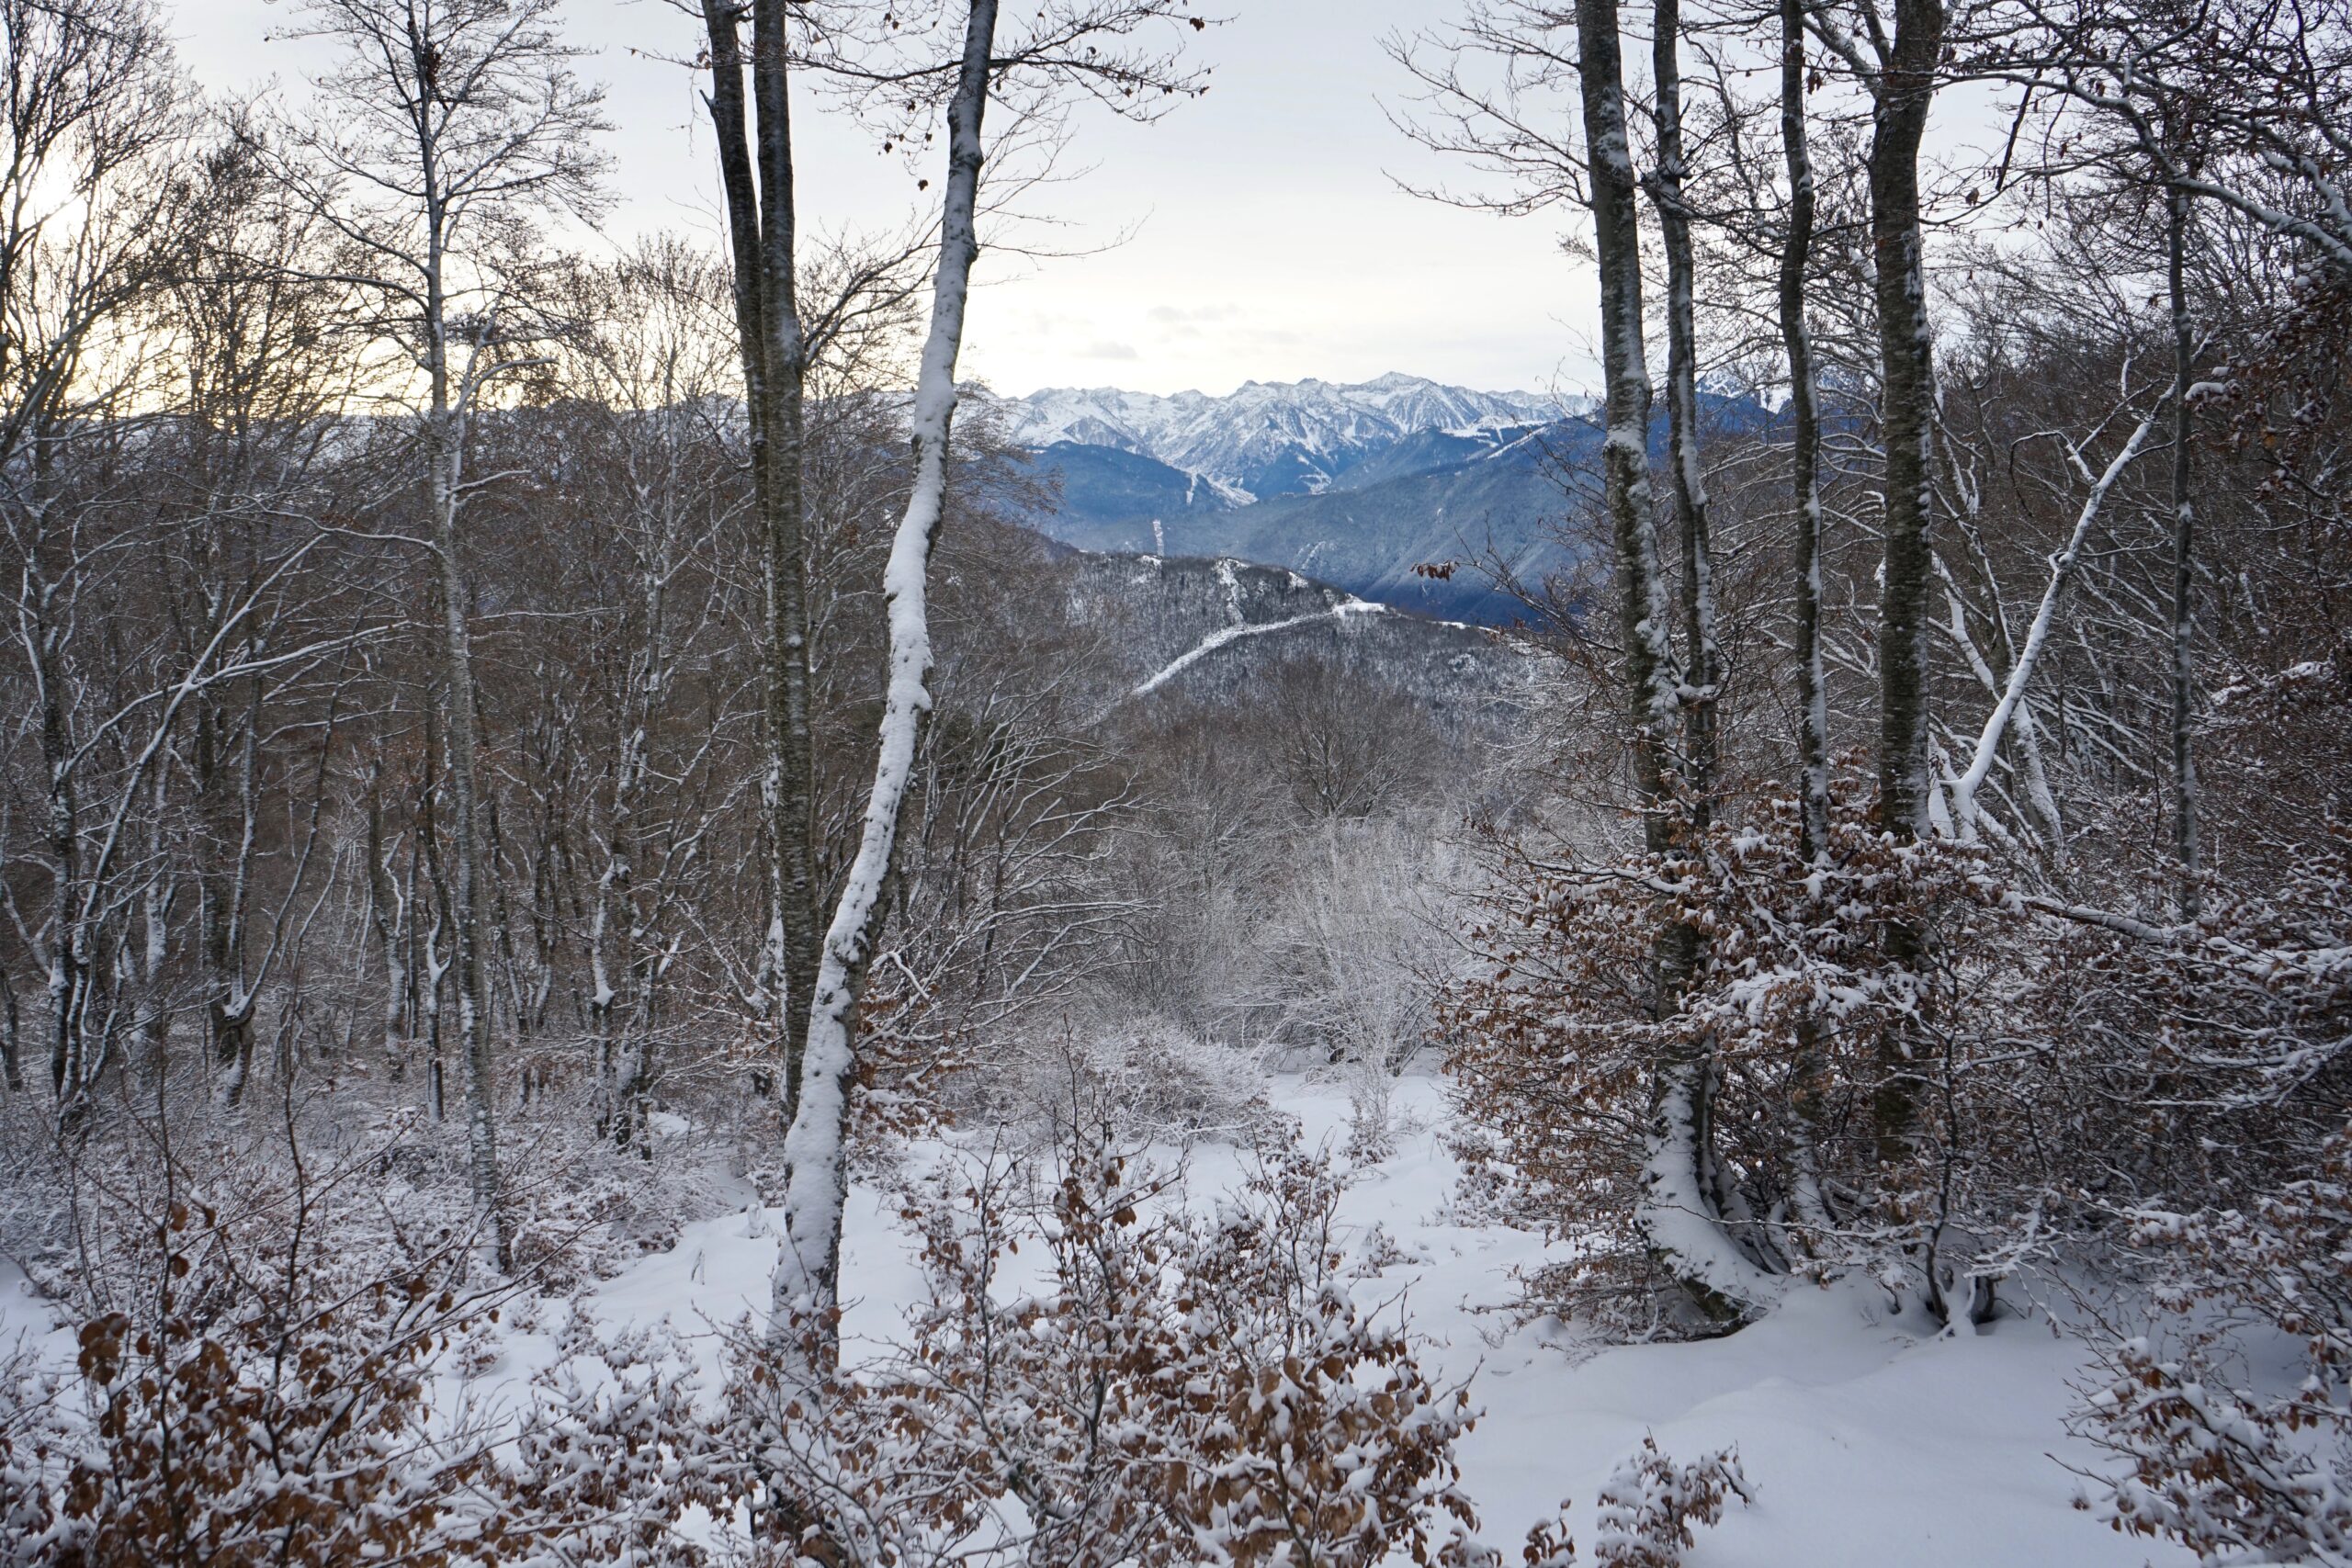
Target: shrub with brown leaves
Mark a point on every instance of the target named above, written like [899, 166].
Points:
[2231, 1470]
[1154, 1387]
[1813, 1030]
[286, 1404]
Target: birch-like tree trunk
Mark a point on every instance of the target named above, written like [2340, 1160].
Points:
[806, 1288]
[2062, 568]
[454, 124]
[387, 919]
[444, 458]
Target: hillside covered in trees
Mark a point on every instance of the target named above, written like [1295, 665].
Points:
[639, 925]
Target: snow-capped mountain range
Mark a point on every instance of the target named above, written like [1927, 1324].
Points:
[1272, 438]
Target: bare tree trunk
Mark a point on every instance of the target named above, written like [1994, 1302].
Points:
[1691, 1096]
[69, 959]
[2187, 866]
[1677, 1210]
[1906, 361]
[12, 1070]
[1804, 442]
[1704, 659]
[1905, 91]
[1651, 675]
[387, 917]
[762, 221]
[1807, 1203]
[2011, 704]
[227, 897]
[436, 966]
[806, 1289]
[444, 458]
[153, 1028]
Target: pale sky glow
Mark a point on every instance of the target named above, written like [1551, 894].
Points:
[1268, 241]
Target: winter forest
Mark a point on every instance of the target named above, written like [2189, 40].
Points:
[641, 922]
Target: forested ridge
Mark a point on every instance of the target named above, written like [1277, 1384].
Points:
[541, 764]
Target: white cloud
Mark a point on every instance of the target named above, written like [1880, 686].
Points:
[1264, 238]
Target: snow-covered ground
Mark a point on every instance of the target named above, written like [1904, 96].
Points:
[1865, 1440]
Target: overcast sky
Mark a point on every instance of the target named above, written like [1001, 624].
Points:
[1268, 241]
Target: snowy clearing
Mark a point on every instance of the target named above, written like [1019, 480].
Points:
[1865, 1440]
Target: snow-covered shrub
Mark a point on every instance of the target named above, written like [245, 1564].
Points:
[2231, 1469]
[1148, 1077]
[1143, 1385]
[1371, 1112]
[1852, 1120]
[261, 1388]
[1313, 1435]
[2225, 1044]
[270, 1430]
[29, 1433]
[580, 1206]
[576, 1205]
[1919, 1064]
[1352, 953]
[265, 1396]
[1650, 1508]
[1649, 1512]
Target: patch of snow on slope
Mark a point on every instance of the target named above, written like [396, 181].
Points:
[1868, 1439]
[1227, 636]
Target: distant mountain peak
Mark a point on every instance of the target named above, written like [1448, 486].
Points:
[1270, 437]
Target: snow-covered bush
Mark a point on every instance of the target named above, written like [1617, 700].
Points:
[2225, 1043]
[577, 1205]
[30, 1431]
[1650, 1508]
[1852, 1120]
[1311, 1434]
[1354, 949]
[2236, 1466]
[1153, 1386]
[1095, 1374]
[1148, 1078]
[262, 1389]
[1649, 1512]
[1914, 1063]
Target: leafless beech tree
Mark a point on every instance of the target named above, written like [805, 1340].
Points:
[1082, 48]
[88, 227]
[454, 119]
[763, 223]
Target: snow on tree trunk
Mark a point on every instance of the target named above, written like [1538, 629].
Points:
[1904, 91]
[792, 789]
[1700, 678]
[2186, 854]
[1678, 1216]
[1907, 361]
[1804, 479]
[443, 453]
[1804, 445]
[805, 1289]
[2037, 636]
[761, 221]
